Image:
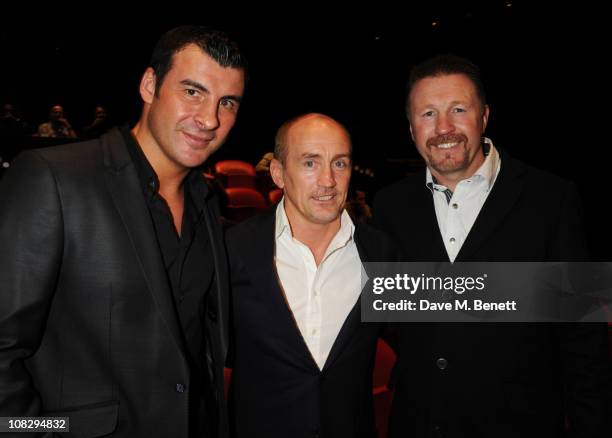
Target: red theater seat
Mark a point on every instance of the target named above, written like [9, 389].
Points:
[235, 173]
[243, 203]
[385, 360]
[275, 195]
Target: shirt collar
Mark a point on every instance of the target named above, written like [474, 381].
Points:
[342, 237]
[282, 223]
[487, 171]
[146, 175]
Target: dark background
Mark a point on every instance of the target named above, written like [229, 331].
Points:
[541, 65]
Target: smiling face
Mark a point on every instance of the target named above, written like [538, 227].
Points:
[447, 120]
[316, 171]
[192, 113]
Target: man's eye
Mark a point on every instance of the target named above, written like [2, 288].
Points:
[428, 114]
[459, 110]
[228, 104]
[191, 92]
[340, 164]
[309, 163]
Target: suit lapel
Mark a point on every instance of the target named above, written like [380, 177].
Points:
[506, 191]
[217, 302]
[124, 187]
[259, 262]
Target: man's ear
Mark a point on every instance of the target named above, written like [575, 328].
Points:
[276, 171]
[485, 117]
[409, 122]
[147, 85]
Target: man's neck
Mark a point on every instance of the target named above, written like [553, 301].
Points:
[446, 180]
[170, 176]
[317, 237]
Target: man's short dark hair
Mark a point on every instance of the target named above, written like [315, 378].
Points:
[447, 64]
[216, 44]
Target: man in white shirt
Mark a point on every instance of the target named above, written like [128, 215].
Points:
[303, 359]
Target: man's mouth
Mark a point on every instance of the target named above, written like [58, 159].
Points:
[445, 142]
[324, 198]
[447, 145]
[196, 140]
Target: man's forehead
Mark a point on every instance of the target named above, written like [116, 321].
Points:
[314, 147]
[315, 134]
[322, 144]
[327, 151]
[452, 85]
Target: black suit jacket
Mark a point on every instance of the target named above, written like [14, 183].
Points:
[88, 326]
[501, 380]
[278, 389]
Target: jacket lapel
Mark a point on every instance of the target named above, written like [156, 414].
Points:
[506, 191]
[217, 302]
[124, 187]
[259, 262]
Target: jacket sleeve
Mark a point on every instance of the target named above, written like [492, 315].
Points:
[31, 233]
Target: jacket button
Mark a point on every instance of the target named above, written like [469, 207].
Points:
[180, 387]
[442, 363]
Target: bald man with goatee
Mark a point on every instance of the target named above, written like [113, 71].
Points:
[303, 361]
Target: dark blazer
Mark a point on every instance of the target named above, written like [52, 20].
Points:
[496, 380]
[277, 387]
[88, 326]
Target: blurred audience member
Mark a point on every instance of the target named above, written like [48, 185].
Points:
[57, 126]
[264, 163]
[263, 179]
[12, 131]
[99, 126]
[11, 124]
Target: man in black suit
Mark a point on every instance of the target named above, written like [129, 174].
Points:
[476, 203]
[303, 359]
[113, 309]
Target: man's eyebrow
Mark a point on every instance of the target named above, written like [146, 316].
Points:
[195, 84]
[335, 157]
[233, 97]
[310, 155]
[342, 156]
[203, 89]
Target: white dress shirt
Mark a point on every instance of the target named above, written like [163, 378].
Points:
[320, 298]
[457, 216]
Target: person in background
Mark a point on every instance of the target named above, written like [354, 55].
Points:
[100, 124]
[57, 126]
